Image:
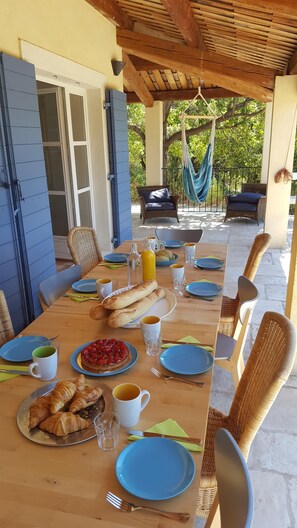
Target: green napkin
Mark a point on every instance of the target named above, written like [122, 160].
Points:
[81, 297]
[170, 427]
[5, 377]
[112, 266]
[187, 339]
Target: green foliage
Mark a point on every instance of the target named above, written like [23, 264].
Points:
[238, 141]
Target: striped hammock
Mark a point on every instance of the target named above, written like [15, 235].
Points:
[196, 185]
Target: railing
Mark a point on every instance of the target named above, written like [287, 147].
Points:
[224, 181]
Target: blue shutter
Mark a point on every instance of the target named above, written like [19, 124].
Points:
[26, 240]
[119, 166]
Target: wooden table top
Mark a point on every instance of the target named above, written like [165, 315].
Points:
[51, 487]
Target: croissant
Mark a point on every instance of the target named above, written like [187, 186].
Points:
[85, 398]
[80, 382]
[63, 423]
[62, 393]
[39, 410]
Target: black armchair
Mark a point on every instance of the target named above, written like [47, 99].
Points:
[156, 201]
[250, 203]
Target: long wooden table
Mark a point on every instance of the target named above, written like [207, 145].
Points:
[51, 487]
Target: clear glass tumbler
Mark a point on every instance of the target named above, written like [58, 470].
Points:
[107, 426]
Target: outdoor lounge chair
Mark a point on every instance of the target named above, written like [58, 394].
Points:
[156, 201]
[267, 369]
[250, 203]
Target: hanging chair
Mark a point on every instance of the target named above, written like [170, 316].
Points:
[196, 185]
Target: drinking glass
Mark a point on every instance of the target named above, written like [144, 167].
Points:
[107, 426]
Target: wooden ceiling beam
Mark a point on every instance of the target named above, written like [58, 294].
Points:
[282, 7]
[136, 82]
[292, 66]
[181, 14]
[184, 95]
[246, 79]
[113, 12]
[144, 65]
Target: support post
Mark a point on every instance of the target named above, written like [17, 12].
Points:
[154, 143]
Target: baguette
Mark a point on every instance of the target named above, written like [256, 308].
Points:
[125, 298]
[126, 315]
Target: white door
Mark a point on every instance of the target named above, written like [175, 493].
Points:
[66, 153]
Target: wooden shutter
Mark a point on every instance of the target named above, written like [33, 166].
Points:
[28, 252]
[119, 166]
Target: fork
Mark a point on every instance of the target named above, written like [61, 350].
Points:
[127, 507]
[166, 377]
[184, 293]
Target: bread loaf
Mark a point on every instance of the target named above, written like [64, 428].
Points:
[125, 298]
[126, 315]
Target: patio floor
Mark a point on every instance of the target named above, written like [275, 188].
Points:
[273, 456]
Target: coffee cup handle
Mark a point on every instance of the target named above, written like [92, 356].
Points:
[31, 367]
[145, 398]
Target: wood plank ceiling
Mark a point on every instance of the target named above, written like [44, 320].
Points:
[227, 47]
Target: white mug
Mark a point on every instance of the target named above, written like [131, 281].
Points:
[45, 363]
[129, 400]
[152, 242]
[150, 327]
[104, 287]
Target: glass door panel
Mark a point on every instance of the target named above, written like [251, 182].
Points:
[84, 200]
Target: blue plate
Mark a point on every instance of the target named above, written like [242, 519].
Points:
[21, 348]
[173, 243]
[203, 289]
[85, 286]
[116, 257]
[208, 263]
[155, 468]
[164, 263]
[186, 359]
[75, 362]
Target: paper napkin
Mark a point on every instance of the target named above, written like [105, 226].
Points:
[170, 427]
[5, 377]
[187, 339]
[112, 266]
[81, 297]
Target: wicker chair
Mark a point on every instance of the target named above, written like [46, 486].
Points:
[267, 369]
[6, 328]
[84, 248]
[229, 305]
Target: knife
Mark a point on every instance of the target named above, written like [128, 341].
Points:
[171, 341]
[12, 371]
[160, 435]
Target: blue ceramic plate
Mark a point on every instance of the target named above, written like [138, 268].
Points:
[203, 289]
[208, 263]
[186, 359]
[173, 243]
[116, 257]
[164, 263]
[21, 348]
[85, 286]
[155, 468]
[75, 362]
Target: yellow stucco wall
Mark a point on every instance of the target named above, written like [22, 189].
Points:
[70, 28]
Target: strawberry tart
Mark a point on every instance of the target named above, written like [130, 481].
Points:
[105, 355]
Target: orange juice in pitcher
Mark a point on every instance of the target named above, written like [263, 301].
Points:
[148, 259]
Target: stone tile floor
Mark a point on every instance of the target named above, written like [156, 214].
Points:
[273, 456]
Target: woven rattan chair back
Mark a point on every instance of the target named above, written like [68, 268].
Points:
[267, 369]
[84, 248]
[6, 328]
[260, 245]
[186, 235]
